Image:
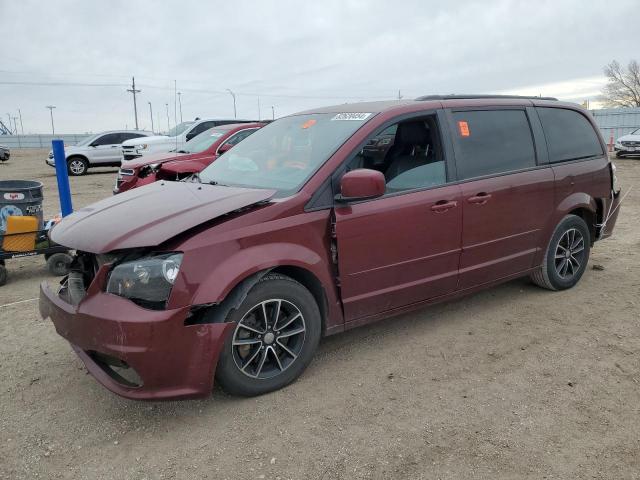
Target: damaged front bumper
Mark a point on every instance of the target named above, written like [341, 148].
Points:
[135, 352]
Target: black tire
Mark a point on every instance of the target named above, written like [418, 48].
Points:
[3, 275]
[619, 155]
[77, 166]
[567, 255]
[286, 355]
[59, 263]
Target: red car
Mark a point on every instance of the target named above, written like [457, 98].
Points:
[299, 233]
[199, 152]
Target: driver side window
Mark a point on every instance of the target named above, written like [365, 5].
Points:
[408, 153]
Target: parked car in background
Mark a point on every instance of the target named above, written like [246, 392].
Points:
[192, 158]
[100, 150]
[628, 145]
[5, 153]
[297, 233]
[175, 139]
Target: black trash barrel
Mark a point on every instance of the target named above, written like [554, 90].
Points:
[20, 197]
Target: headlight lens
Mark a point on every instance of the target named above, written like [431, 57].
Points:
[146, 281]
[142, 146]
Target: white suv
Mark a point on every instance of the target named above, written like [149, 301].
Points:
[100, 150]
[628, 145]
[174, 140]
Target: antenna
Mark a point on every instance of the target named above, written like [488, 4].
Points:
[51, 107]
[134, 91]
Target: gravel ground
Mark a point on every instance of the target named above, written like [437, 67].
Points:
[513, 382]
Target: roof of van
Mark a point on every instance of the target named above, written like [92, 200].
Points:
[438, 101]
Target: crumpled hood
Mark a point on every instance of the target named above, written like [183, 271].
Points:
[150, 215]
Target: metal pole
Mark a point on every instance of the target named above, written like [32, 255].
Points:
[273, 113]
[53, 128]
[167, 105]
[21, 127]
[134, 91]
[259, 116]
[180, 102]
[64, 192]
[151, 115]
[234, 103]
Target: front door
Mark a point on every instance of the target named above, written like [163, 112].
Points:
[404, 247]
[107, 149]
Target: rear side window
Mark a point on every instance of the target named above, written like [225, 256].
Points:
[492, 141]
[569, 135]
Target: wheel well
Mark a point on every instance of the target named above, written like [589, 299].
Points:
[589, 218]
[311, 283]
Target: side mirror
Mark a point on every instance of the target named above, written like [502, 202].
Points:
[361, 184]
[224, 148]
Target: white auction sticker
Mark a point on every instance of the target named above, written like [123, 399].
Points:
[14, 196]
[352, 116]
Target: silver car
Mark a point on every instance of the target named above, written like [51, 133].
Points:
[100, 150]
[5, 153]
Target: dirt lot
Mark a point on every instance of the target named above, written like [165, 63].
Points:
[514, 382]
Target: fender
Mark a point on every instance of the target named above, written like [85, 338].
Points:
[573, 201]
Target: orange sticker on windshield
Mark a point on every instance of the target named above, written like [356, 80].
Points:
[308, 123]
[464, 129]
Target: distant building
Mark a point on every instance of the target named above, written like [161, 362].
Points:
[616, 121]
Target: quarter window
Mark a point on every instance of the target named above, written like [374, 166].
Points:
[569, 135]
[492, 141]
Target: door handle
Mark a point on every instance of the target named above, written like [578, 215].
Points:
[481, 198]
[443, 206]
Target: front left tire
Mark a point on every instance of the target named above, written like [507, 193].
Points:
[77, 166]
[277, 330]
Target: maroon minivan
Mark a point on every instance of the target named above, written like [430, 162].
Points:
[300, 232]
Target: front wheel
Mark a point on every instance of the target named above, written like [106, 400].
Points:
[567, 255]
[77, 166]
[277, 330]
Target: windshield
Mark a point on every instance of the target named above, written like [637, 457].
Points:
[201, 142]
[87, 140]
[284, 154]
[178, 129]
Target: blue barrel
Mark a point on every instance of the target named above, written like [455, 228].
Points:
[20, 197]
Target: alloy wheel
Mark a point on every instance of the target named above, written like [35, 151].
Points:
[268, 339]
[77, 167]
[569, 255]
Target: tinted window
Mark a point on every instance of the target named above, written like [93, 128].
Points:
[569, 134]
[129, 136]
[109, 139]
[407, 153]
[198, 129]
[238, 137]
[492, 141]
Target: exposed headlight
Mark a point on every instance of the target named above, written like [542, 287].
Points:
[146, 281]
[147, 170]
[142, 146]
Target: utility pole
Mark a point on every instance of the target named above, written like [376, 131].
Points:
[167, 105]
[134, 91]
[273, 113]
[180, 102]
[234, 103]
[399, 96]
[51, 107]
[21, 127]
[151, 115]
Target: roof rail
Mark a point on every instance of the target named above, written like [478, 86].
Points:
[467, 97]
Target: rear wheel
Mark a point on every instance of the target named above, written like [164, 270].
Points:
[277, 330]
[567, 255]
[77, 166]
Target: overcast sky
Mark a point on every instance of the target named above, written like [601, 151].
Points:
[293, 55]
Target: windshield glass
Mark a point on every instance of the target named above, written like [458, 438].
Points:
[178, 129]
[87, 140]
[201, 142]
[284, 154]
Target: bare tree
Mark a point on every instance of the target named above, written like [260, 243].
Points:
[623, 89]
